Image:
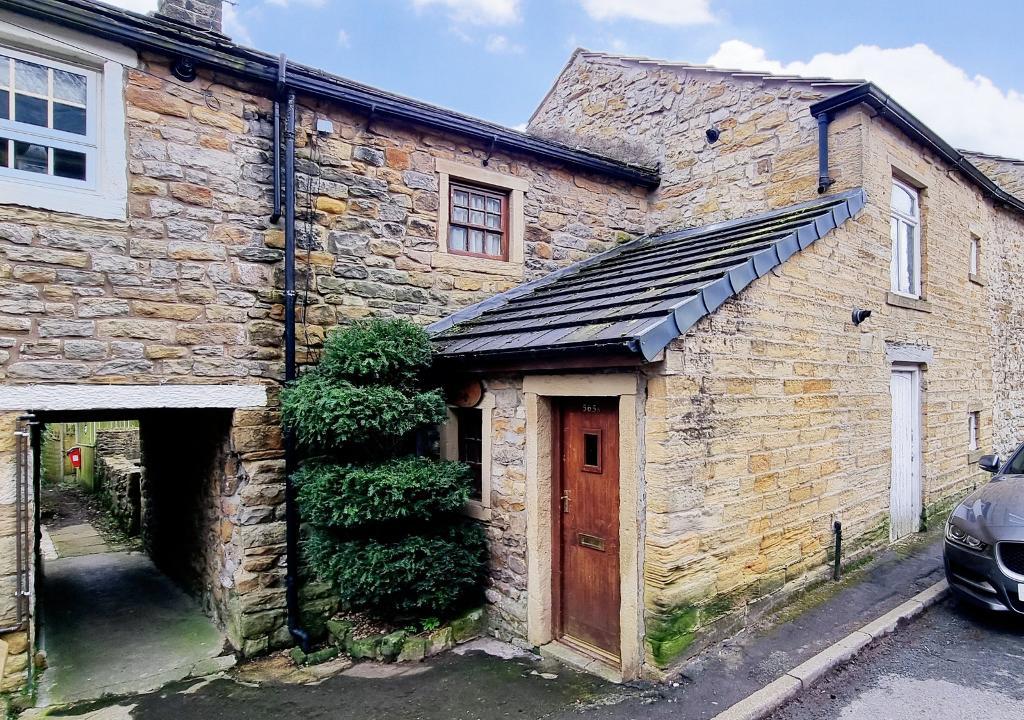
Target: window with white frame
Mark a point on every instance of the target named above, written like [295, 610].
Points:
[48, 128]
[905, 233]
[63, 145]
[973, 421]
[974, 262]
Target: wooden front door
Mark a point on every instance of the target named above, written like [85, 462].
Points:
[587, 529]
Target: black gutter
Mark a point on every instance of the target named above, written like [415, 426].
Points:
[875, 98]
[214, 51]
[291, 508]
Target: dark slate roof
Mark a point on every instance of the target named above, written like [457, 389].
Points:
[636, 298]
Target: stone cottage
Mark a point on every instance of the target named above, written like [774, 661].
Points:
[652, 287]
[820, 327]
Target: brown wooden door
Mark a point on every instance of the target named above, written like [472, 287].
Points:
[587, 506]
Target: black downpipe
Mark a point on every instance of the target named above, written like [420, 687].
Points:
[281, 70]
[824, 181]
[290, 508]
[837, 528]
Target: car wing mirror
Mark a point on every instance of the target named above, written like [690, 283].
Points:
[989, 463]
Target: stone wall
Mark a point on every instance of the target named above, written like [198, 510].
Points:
[120, 483]
[765, 158]
[1007, 172]
[14, 644]
[124, 442]
[775, 411]
[506, 530]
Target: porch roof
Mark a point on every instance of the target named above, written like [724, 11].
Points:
[635, 299]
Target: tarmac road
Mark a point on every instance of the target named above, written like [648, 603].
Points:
[952, 663]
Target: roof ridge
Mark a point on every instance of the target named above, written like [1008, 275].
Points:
[643, 60]
[991, 156]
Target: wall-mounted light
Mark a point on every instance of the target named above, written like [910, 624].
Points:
[712, 134]
[859, 315]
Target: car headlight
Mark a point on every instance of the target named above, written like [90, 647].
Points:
[960, 537]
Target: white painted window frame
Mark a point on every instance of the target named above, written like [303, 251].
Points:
[478, 509]
[973, 428]
[974, 261]
[105, 193]
[24, 132]
[913, 224]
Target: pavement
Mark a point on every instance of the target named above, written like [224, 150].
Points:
[112, 624]
[73, 541]
[486, 682]
[953, 663]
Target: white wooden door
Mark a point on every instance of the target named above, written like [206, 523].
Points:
[905, 484]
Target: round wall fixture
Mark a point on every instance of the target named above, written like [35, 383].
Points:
[184, 69]
[859, 315]
[712, 134]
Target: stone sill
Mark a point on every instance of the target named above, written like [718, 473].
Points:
[897, 300]
[448, 261]
[976, 279]
[974, 456]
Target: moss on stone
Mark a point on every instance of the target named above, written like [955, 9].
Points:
[673, 634]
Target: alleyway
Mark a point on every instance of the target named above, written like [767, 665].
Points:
[112, 623]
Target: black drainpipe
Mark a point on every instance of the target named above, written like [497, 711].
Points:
[824, 181]
[279, 91]
[291, 510]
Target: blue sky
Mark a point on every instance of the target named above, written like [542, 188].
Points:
[956, 66]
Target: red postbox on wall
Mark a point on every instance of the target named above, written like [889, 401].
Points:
[75, 456]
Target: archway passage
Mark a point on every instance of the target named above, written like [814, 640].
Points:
[129, 546]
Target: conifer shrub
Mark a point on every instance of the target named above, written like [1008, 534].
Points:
[408, 489]
[383, 524]
[422, 574]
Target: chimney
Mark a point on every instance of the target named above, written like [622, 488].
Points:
[200, 14]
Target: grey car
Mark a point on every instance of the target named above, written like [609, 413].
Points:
[984, 548]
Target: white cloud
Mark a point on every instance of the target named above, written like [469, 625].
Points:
[660, 12]
[966, 111]
[234, 27]
[344, 40]
[477, 12]
[501, 45]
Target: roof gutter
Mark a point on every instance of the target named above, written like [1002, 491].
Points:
[871, 95]
[216, 52]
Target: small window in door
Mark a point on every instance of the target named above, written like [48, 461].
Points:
[592, 451]
[470, 439]
[973, 423]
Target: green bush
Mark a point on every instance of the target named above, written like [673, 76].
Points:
[409, 489]
[376, 352]
[325, 414]
[406, 576]
[382, 526]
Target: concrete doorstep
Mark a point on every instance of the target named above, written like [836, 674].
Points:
[787, 686]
